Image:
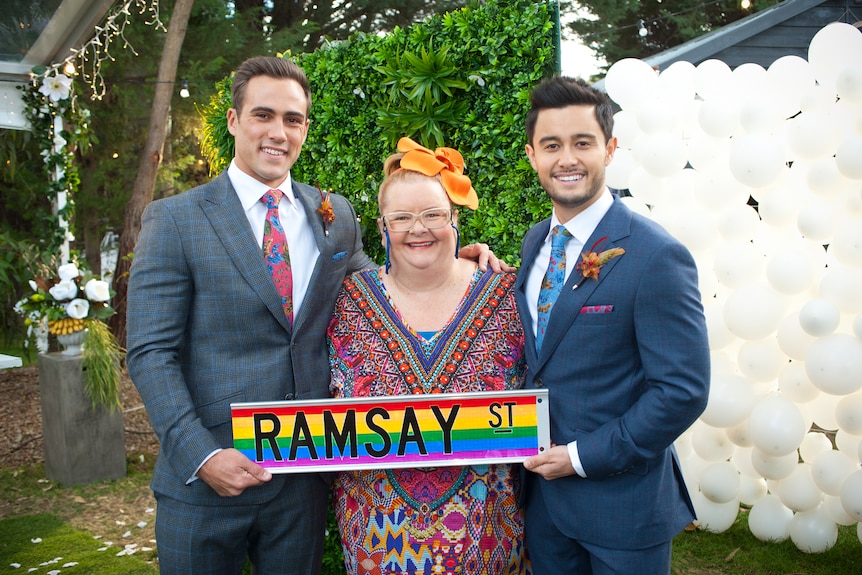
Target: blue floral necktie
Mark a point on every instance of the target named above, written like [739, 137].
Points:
[553, 281]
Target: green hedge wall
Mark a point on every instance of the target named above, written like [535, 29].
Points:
[461, 79]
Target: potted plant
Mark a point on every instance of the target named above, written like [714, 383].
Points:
[74, 304]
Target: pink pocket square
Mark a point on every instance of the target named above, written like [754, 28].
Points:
[597, 309]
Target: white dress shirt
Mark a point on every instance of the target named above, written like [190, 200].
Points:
[300, 239]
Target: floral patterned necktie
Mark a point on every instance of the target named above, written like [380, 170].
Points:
[275, 252]
[553, 281]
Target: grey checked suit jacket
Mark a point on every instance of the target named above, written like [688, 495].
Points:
[625, 359]
[206, 327]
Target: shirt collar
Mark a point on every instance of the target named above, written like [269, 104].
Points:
[250, 190]
[585, 223]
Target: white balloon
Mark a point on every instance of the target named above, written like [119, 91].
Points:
[629, 80]
[846, 443]
[846, 243]
[712, 78]
[742, 460]
[753, 311]
[830, 469]
[798, 491]
[816, 219]
[794, 384]
[812, 134]
[769, 519]
[813, 531]
[780, 209]
[790, 77]
[791, 270]
[751, 489]
[833, 364]
[626, 129]
[738, 222]
[813, 445]
[756, 160]
[719, 482]
[738, 263]
[719, 118]
[776, 425]
[848, 157]
[822, 410]
[661, 153]
[656, 114]
[842, 285]
[719, 335]
[792, 339]
[714, 517]
[816, 98]
[710, 443]
[831, 49]
[857, 325]
[848, 412]
[761, 360]
[835, 511]
[851, 495]
[773, 467]
[738, 434]
[677, 82]
[646, 187]
[819, 317]
[848, 83]
[730, 400]
[620, 170]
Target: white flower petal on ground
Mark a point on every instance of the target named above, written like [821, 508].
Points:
[78, 308]
[36, 540]
[97, 290]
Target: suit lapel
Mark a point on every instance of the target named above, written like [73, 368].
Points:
[615, 225]
[224, 211]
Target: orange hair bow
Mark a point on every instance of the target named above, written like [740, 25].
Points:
[447, 162]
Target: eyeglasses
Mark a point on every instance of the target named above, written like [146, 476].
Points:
[432, 219]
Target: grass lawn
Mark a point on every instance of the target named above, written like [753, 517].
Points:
[106, 527]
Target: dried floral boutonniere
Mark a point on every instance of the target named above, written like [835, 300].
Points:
[592, 262]
[325, 209]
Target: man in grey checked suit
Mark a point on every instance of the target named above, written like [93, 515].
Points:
[206, 328]
[625, 357]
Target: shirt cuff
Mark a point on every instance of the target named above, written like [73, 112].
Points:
[194, 477]
[576, 460]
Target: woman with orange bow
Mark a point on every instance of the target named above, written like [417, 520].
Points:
[427, 322]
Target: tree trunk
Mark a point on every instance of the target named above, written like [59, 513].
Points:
[145, 183]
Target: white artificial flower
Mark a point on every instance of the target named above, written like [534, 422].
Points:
[64, 290]
[478, 79]
[33, 285]
[78, 308]
[59, 142]
[68, 272]
[97, 290]
[56, 87]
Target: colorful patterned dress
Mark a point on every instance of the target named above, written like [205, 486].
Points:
[432, 520]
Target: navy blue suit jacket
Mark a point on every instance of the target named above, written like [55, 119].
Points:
[625, 360]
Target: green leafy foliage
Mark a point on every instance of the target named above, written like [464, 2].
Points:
[461, 79]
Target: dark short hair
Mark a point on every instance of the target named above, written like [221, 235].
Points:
[563, 91]
[279, 68]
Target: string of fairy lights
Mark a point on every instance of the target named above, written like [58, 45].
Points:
[96, 51]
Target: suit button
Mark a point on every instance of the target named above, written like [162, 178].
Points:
[288, 397]
[538, 382]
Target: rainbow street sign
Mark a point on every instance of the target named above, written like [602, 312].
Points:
[394, 431]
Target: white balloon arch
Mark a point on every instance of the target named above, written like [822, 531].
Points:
[759, 172]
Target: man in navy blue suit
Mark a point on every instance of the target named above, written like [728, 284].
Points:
[623, 354]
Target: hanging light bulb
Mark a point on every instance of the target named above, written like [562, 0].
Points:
[184, 91]
[69, 68]
[745, 4]
[642, 29]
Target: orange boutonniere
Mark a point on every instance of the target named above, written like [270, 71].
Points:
[325, 210]
[591, 262]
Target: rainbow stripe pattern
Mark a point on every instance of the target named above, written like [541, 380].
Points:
[389, 432]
